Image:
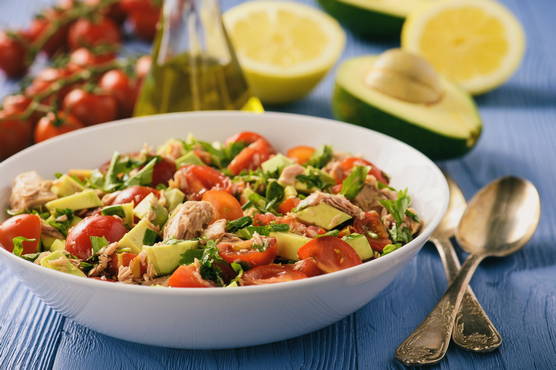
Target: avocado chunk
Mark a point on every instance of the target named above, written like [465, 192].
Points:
[58, 245]
[316, 174]
[143, 233]
[446, 129]
[276, 163]
[249, 195]
[150, 206]
[189, 158]
[124, 211]
[82, 200]
[174, 197]
[47, 241]
[322, 215]
[360, 244]
[59, 261]
[65, 186]
[289, 243]
[165, 258]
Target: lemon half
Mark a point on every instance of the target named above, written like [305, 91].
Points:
[478, 44]
[284, 48]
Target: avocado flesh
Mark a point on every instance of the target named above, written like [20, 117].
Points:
[62, 263]
[289, 243]
[276, 163]
[82, 200]
[65, 186]
[174, 197]
[58, 245]
[322, 215]
[125, 211]
[165, 258]
[133, 239]
[144, 208]
[447, 129]
[360, 244]
[188, 158]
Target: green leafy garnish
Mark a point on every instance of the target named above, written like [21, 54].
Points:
[150, 237]
[274, 195]
[389, 248]
[189, 256]
[31, 257]
[248, 232]
[329, 233]
[314, 179]
[353, 184]
[398, 207]
[115, 210]
[240, 223]
[382, 185]
[400, 234]
[18, 244]
[61, 220]
[97, 243]
[321, 157]
[144, 176]
[238, 269]
[352, 236]
[111, 181]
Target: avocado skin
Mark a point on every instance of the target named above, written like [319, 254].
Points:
[347, 107]
[364, 22]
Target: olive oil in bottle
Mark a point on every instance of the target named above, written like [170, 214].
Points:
[194, 66]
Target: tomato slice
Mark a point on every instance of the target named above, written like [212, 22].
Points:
[330, 253]
[27, 226]
[120, 259]
[288, 204]
[301, 154]
[246, 137]
[308, 266]
[271, 274]
[224, 203]
[350, 162]
[373, 224]
[188, 277]
[134, 194]
[78, 241]
[244, 252]
[197, 179]
[251, 157]
[163, 171]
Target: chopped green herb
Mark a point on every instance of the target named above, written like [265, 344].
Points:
[352, 236]
[390, 248]
[189, 256]
[314, 179]
[353, 184]
[247, 232]
[111, 181]
[144, 176]
[412, 215]
[18, 244]
[61, 220]
[97, 243]
[382, 185]
[238, 269]
[115, 210]
[400, 234]
[329, 233]
[30, 256]
[274, 195]
[58, 175]
[150, 237]
[398, 207]
[239, 223]
[321, 157]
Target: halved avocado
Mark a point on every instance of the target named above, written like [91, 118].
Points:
[447, 129]
[372, 17]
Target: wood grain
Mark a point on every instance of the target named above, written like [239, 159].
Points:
[518, 292]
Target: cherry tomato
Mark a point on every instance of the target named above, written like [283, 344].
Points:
[372, 223]
[330, 253]
[15, 135]
[41, 24]
[245, 251]
[163, 171]
[125, 90]
[120, 259]
[84, 58]
[89, 33]
[15, 104]
[251, 157]
[196, 179]
[141, 6]
[270, 274]
[288, 204]
[28, 226]
[53, 125]
[188, 277]
[78, 241]
[143, 66]
[45, 79]
[301, 154]
[224, 203]
[246, 137]
[91, 108]
[12, 57]
[350, 162]
[308, 266]
[114, 11]
[134, 194]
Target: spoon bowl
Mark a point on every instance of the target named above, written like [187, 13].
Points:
[501, 218]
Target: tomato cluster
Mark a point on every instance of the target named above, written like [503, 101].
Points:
[84, 85]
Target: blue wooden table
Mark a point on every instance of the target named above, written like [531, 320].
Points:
[518, 292]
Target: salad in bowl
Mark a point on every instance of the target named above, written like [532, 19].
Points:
[197, 214]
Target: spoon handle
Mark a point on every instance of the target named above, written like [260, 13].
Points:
[429, 342]
[473, 329]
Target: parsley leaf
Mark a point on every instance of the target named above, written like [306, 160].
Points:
[321, 157]
[144, 176]
[238, 269]
[189, 256]
[239, 223]
[18, 244]
[399, 233]
[111, 181]
[97, 243]
[150, 237]
[274, 195]
[390, 248]
[353, 184]
[398, 207]
[62, 220]
[315, 179]
[247, 232]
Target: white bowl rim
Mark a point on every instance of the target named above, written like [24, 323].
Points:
[252, 289]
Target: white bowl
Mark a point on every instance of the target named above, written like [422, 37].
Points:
[234, 317]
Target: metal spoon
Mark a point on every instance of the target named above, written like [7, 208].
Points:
[473, 330]
[500, 219]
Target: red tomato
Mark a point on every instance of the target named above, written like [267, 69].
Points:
[163, 171]
[28, 226]
[12, 57]
[246, 137]
[270, 274]
[89, 33]
[251, 157]
[350, 162]
[145, 24]
[244, 252]
[117, 83]
[301, 154]
[120, 259]
[143, 66]
[134, 194]
[330, 253]
[91, 108]
[114, 11]
[15, 135]
[15, 104]
[372, 223]
[45, 79]
[78, 241]
[288, 204]
[188, 277]
[84, 58]
[53, 125]
[40, 25]
[196, 179]
[141, 6]
[308, 266]
[224, 203]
